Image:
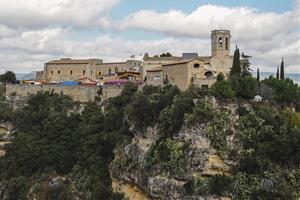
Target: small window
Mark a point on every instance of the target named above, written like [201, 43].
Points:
[91, 72]
[220, 42]
[109, 71]
[156, 78]
[196, 65]
[166, 79]
[226, 43]
[116, 69]
[58, 71]
[83, 72]
[204, 87]
[71, 72]
[52, 72]
[99, 73]
[208, 75]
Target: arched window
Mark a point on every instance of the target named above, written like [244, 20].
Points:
[226, 43]
[208, 75]
[116, 69]
[109, 71]
[220, 43]
[71, 72]
[196, 65]
[166, 81]
[83, 72]
[58, 72]
[51, 72]
[99, 73]
[91, 72]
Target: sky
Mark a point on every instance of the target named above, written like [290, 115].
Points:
[33, 32]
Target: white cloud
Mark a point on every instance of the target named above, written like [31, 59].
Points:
[266, 36]
[38, 31]
[43, 13]
[245, 23]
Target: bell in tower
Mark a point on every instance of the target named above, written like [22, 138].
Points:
[220, 43]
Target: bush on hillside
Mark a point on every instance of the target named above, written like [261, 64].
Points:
[222, 90]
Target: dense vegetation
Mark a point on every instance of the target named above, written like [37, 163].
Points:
[56, 137]
[8, 77]
[52, 137]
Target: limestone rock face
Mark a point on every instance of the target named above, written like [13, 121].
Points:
[6, 129]
[131, 164]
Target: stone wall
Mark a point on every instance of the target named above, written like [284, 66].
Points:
[78, 93]
[2, 89]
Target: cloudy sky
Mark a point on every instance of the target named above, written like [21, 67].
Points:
[35, 31]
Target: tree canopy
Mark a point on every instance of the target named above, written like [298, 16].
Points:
[8, 77]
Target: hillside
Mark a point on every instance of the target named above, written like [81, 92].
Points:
[158, 143]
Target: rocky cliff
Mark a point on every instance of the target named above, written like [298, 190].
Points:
[132, 164]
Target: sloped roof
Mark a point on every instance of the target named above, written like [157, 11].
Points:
[75, 61]
[155, 69]
[204, 59]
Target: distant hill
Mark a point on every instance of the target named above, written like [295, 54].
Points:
[29, 76]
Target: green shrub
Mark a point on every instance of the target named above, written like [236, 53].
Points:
[170, 155]
[248, 87]
[202, 113]
[222, 90]
[218, 131]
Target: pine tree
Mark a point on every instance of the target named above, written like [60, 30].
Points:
[277, 73]
[245, 66]
[236, 65]
[257, 76]
[282, 70]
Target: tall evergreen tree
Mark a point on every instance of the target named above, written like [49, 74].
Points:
[245, 66]
[277, 73]
[257, 75]
[282, 70]
[236, 65]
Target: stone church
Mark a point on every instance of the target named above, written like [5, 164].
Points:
[190, 68]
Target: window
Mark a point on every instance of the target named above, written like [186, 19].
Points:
[116, 69]
[71, 72]
[51, 72]
[83, 72]
[109, 71]
[156, 78]
[196, 65]
[99, 73]
[220, 43]
[58, 72]
[208, 75]
[91, 72]
[204, 87]
[166, 79]
[226, 43]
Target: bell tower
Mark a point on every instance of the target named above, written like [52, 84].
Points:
[220, 42]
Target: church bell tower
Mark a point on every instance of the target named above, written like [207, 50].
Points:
[220, 43]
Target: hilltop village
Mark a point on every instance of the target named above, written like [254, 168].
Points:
[64, 74]
[86, 129]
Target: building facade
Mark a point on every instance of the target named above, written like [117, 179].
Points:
[191, 68]
[67, 69]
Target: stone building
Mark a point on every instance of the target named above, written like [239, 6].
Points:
[67, 69]
[157, 70]
[191, 68]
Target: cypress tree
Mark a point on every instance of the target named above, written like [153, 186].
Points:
[282, 70]
[257, 76]
[236, 65]
[277, 73]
